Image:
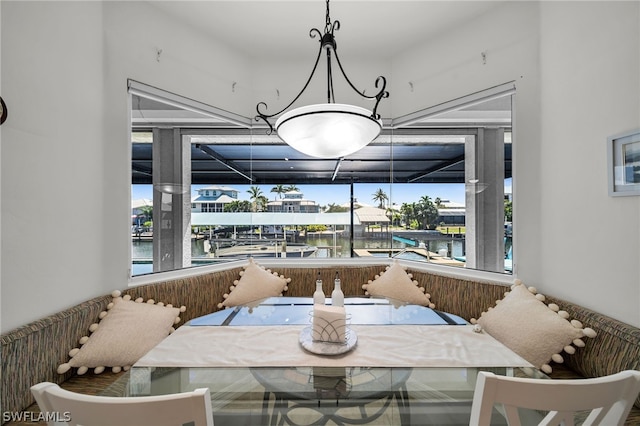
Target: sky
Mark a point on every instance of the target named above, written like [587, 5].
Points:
[339, 194]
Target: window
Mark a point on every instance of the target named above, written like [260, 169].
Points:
[434, 187]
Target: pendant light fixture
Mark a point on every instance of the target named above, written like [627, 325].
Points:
[327, 130]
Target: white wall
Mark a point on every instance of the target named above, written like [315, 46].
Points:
[590, 73]
[52, 168]
[65, 222]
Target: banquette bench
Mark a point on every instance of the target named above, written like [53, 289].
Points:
[32, 353]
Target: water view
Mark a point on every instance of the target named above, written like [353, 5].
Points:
[323, 245]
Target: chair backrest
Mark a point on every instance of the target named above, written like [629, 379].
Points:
[63, 407]
[608, 399]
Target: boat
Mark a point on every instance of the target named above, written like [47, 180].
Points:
[265, 249]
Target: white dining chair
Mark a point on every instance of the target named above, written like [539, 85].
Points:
[62, 407]
[607, 399]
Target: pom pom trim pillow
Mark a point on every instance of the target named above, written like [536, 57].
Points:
[256, 283]
[126, 331]
[395, 283]
[537, 332]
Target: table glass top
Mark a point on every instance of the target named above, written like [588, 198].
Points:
[295, 311]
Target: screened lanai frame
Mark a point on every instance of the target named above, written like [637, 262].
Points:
[196, 120]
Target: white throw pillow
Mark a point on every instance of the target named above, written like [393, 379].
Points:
[537, 332]
[126, 331]
[395, 283]
[255, 284]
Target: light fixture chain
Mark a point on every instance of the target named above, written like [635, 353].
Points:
[327, 25]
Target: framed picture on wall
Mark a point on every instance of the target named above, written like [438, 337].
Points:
[623, 156]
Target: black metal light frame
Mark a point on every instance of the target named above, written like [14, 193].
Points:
[327, 42]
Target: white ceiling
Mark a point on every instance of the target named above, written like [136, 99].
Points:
[375, 28]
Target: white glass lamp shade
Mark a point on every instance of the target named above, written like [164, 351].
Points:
[328, 130]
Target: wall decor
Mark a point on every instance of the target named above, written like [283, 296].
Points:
[623, 156]
[3, 111]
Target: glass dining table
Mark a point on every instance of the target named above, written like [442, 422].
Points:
[318, 393]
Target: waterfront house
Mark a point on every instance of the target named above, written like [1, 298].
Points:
[212, 199]
[293, 202]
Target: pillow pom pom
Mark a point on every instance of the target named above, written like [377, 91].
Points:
[183, 308]
[576, 323]
[532, 290]
[177, 320]
[63, 368]
[82, 370]
[116, 369]
[553, 307]
[369, 282]
[93, 327]
[540, 297]
[579, 343]
[102, 314]
[226, 295]
[115, 293]
[564, 314]
[110, 305]
[241, 273]
[589, 332]
[410, 275]
[126, 297]
[366, 293]
[73, 352]
[286, 287]
[84, 339]
[126, 368]
[288, 279]
[139, 300]
[151, 302]
[570, 349]
[473, 321]
[160, 304]
[517, 281]
[432, 305]
[557, 358]
[98, 370]
[546, 368]
[171, 330]
[235, 282]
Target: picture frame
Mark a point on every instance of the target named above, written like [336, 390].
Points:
[623, 157]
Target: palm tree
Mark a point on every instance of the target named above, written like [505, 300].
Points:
[291, 188]
[279, 190]
[254, 195]
[428, 213]
[261, 203]
[381, 197]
